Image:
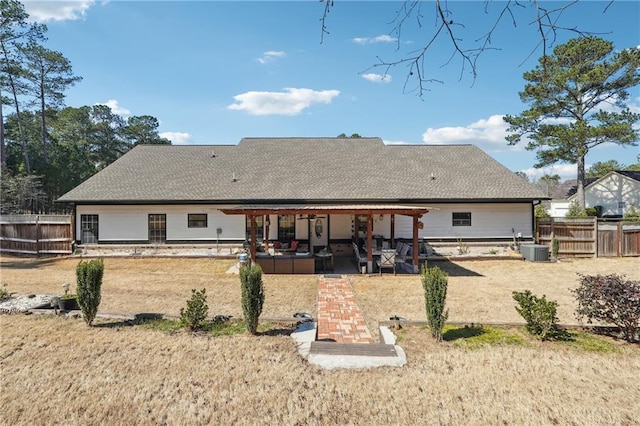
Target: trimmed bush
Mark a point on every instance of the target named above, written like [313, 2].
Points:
[539, 313]
[88, 287]
[434, 282]
[252, 295]
[612, 299]
[194, 316]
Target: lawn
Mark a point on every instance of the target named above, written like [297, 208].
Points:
[57, 370]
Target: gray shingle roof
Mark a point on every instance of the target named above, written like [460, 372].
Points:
[303, 170]
[569, 187]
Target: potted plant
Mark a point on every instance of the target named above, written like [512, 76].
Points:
[68, 301]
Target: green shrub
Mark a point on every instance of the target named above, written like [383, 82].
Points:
[576, 211]
[194, 316]
[4, 293]
[539, 313]
[541, 211]
[591, 211]
[555, 247]
[434, 282]
[632, 214]
[610, 298]
[88, 287]
[252, 295]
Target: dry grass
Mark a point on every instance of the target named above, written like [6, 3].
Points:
[56, 370]
[162, 285]
[480, 291]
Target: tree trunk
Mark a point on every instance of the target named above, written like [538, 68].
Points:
[45, 152]
[3, 154]
[580, 189]
[23, 140]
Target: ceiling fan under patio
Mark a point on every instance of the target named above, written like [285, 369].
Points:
[310, 217]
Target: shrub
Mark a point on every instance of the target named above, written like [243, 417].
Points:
[539, 313]
[541, 211]
[591, 211]
[434, 282]
[88, 287]
[610, 298]
[576, 211]
[632, 214]
[555, 247]
[4, 293]
[194, 316]
[252, 295]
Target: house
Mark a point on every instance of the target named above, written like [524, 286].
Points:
[612, 194]
[320, 192]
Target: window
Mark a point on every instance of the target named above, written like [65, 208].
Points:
[621, 204]
[197, 220]
[462, 219]
[286, 228]
[362, 223]
[89, 227]
[259, 228]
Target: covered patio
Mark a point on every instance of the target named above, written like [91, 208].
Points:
[252, 212]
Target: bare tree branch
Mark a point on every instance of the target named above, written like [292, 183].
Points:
[546, 20]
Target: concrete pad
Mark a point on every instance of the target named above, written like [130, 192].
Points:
[306, 333]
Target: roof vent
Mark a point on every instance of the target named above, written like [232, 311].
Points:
[233, 178]
[433, 177]
[213, 154]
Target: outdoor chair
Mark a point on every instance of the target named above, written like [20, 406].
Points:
[387, 260]
[402, 250]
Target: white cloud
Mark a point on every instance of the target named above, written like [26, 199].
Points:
[377, 78]
[43, 11]
[177, 138]
[387, 142]
[290, 102]
[384, 38]
[489, 134]
[115, 108]
[270, 56]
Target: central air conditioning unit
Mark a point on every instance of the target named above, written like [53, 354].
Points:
[535, 252]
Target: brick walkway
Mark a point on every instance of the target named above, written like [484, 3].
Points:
[339, 317]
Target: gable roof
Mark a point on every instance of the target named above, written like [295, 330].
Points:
[568, 188]
[303, 170]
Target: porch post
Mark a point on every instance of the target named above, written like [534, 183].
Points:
[369, 243]
[266, 221]
[416, 248]
[392, 243]
[356, 230]
[252, 234]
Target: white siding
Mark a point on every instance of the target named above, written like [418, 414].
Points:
[559, 208]
[130, 223]
[611, 190]
[341, 227]
[487, 221]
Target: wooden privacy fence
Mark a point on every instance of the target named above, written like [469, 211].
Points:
[590, 237]
[34, 234]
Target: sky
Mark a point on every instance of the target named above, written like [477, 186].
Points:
[213, 72]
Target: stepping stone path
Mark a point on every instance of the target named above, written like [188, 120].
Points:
[339, 317]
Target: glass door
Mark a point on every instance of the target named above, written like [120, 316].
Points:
[157, 228]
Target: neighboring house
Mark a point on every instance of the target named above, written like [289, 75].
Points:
[317, 191]
[612, 194]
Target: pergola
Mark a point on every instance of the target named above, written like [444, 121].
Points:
[368, 210]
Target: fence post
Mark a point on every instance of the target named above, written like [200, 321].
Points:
[37, 235]
[619, 238]
[595, 236]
